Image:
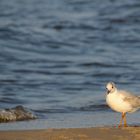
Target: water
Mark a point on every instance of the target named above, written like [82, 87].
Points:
[56, 57]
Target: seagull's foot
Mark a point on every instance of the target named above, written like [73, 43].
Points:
[120, 125]
[125, 125]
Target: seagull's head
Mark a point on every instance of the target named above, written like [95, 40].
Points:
[110, 87]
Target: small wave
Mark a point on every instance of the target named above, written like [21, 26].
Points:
[68, 25]
[96, 107]
[88, 108]
[97, 64]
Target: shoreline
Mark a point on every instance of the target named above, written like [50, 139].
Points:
[94, 133]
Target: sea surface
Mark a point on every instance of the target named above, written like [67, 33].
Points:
[56, 56]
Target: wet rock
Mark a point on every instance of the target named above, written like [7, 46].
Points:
[19, 113]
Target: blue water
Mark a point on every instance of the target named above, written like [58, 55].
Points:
[56, 57]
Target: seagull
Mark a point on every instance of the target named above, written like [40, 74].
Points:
[121, 101]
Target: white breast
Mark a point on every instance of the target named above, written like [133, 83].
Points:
[116, 102]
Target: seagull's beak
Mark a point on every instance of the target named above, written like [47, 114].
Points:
[108, 91]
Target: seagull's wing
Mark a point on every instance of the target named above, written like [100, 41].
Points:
[131, 99]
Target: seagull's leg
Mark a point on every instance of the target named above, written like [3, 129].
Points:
[124, 118]
[121, 121]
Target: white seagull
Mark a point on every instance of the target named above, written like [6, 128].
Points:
[121, 101]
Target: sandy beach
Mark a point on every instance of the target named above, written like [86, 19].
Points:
[97, 133]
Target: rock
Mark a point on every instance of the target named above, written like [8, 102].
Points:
[19, 113]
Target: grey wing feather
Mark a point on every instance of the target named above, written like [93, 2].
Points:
[132, 99]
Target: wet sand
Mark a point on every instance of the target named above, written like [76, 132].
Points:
[97, 133]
